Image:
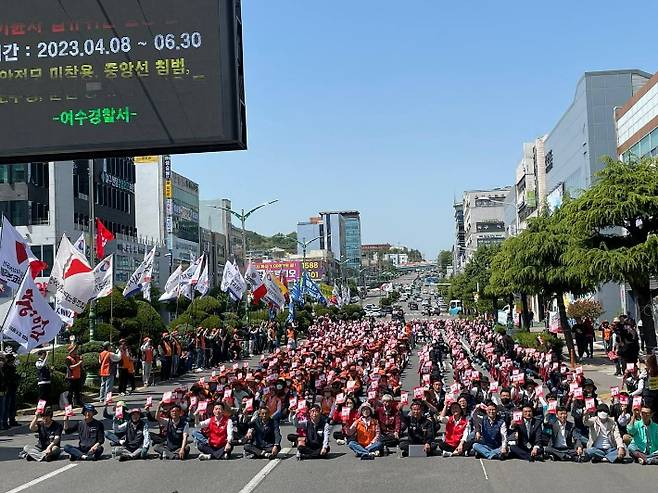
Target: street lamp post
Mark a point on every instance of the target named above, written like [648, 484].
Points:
[365, 289]
[305, 244]
[243, 216]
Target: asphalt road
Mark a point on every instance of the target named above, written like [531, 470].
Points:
[341, 472]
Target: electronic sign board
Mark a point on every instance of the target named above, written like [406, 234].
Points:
[96, 78]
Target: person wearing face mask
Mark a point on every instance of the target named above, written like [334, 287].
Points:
[366, 443]
[605, 442]
[563, 446]
[644, 432]
[136, 439]
[505, 405]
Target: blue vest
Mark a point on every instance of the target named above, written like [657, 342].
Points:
[491, 433]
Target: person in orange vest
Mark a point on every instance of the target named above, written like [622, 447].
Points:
[125, 363]
[366, 443]
[147, 360]
[74, 376]
[107, 360]
[165, 350]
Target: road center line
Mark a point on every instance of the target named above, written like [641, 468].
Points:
[262, 474]
[486, 476]
[41, 478]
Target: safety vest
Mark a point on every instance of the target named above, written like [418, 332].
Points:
[73, 373]
[166, 349]
[148, 355]
[218, 431]
[104, 360]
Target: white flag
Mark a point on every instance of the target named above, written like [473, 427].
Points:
[15, 255]
[66, 316]
[141, 278]
[232, 281]
[186, 287]
[203, 283]
[255, 282]
[104, 277]
[81, 244]
[30, 320]
[198, 271]
[172, 286]
[71, 279]
[274, 294]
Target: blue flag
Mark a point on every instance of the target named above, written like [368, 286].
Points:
[296, 293]
[291, 311]
[313, 290]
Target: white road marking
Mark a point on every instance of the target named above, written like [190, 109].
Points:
[486, 476]
[262, 474]
[41, 478]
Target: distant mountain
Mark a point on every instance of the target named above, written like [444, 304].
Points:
[259, 242]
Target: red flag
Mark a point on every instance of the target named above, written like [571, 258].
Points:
[103, 235]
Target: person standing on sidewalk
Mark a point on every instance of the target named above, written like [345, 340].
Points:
[147, 360]
[74, 376]
[12, 388]
[165, 352]
[43, 375]
[107, 360]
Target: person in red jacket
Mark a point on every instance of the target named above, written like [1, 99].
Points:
[220, 434]
[456, 430]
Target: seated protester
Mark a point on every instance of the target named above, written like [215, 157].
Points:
[644, 446]
[605, 442]
[622, 414]
[136, 439]
[314, 440]
[175, 431]
[219, 434]
[505, 404]
[118, 424]
[264, 436]
[491, 435]
[50, 433]
[91, 436]
[456, 435]
[435, 397]
[344, 419]
[528, 436]
[563, 446]
[389, 422]
[366, 443]
[480, 390]
[419, 428]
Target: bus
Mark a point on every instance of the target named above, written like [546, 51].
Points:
[455, 307]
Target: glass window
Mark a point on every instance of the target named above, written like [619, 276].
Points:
[4, 173]
[18, 173]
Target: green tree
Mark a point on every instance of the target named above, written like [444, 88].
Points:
[614, 224]
[534, 262]
[443, 260]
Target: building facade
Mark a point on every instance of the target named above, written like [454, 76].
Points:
[586, 132]
[459, 248]
[219, 220]
[530, 184]
[46, 200]
[637, 123]
[167, 208]
[313, 229]
[584, 135]
[342, 236]
[484, 223]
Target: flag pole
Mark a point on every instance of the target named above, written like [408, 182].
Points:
[2, 332]
[112, 303]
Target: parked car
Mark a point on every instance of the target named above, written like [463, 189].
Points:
[413, 305]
